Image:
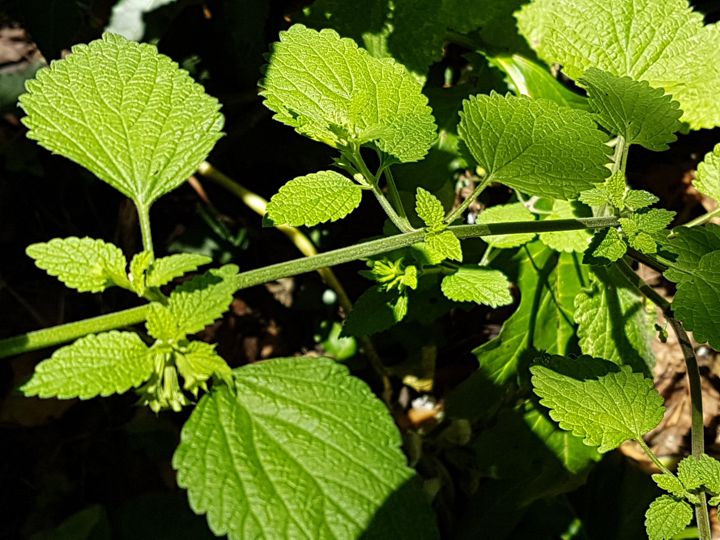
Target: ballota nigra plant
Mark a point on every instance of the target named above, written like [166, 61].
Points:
[297, 447]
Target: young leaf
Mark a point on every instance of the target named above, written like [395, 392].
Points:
[138, 268]
[606, 411]
[96, 365]
[165, 269]
[612, 322]
[506, 213]
[330, 90]
[444, 245]
[697, 299]
[314, 198]
[374, 311]
[690, 245]
[637, 199]
[663, 43]
[633, 109]
[566, 241]
[126, 113]
[429, 209]
[534, 145]
[666, 517]
[607, 246]
[702, 472]
[671, 484]
[193, 305]
[295, 430]
[84, 264]
[609, 193]
[475, 284]
[707, 180]
[200, 362]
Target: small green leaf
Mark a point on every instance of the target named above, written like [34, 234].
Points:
[637, 199]
[664, 43]
[429, 209]
[566, 241]
[126, 113]
[374, 311]
[607, 246]
[697, 299]
[671, 484]
[506, 213]
[690, 245]
[299, 449]
[165, 269]
[520, 143]
[96, 365]
[330, 90]
[633, 109]
[643, 242]
[84, 264]
[314, 198]
[193, 305]
[444, 245]
[702, 472]
[653, 220]
[200, 362]
[612, 322]
[606, 411]
[707, 180]
[666, 517]
[138, 268]
[476, 284]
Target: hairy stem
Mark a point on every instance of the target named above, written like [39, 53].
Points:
[452, 216]
[68, 332]
[701, 220]
[395, 195]
[650, 454]
[143, 211]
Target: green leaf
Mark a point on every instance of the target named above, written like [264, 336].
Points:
[198, 363]
[314, 198]
[506, 213]
[298, 449]
[126, 113]
[138, 268]
[609, 193]
[707, 180]
[96, 365]
[165, 269]
[667, 517]
[671, 484]
[663, 43]
[374, 311]
[653, 220]
[612, 322]
[633, 109]
[606, 411]
[567, 241]
[607, 246]
[429, 209]
[480, 285]
[85, 264]
[702, 472]
[329, 90]
[519, 142]
[697, 299]
[193, 305]
[444, 245]
[690, 245]
[636, 199]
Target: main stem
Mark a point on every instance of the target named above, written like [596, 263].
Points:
[68, 332]
[697, 428]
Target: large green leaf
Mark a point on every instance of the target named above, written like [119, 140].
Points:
[633, 109]
[299, 449]
[330, 90]
[663, 43]
[708, 175]
[666, 517]
[604, 410]
[96, 365]
[690, 245]
[126, 113]
[534, 145]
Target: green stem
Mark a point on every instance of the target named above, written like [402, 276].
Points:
[144, 218]
[621, 155]
[452, 216]
[703, 219]
[659, 464]
[395, 195]
[68, 332]
[697, 428]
